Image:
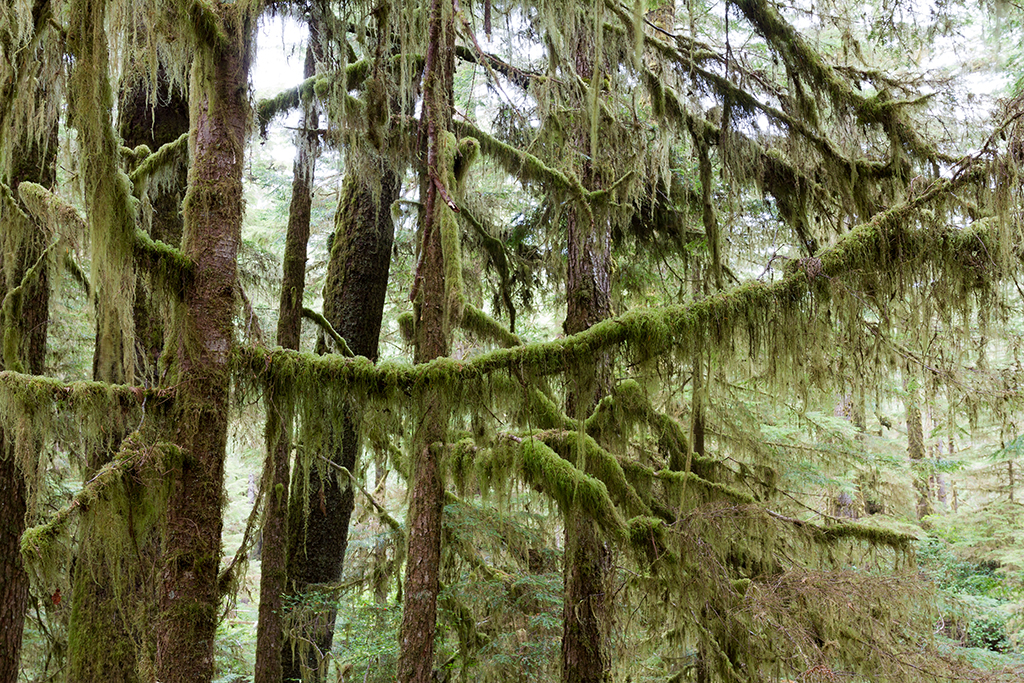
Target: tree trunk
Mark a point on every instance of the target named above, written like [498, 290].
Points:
[419, 616]
[280, 401]
[357, 278]
[154, 123]
[915, 449]
[189, 596]
[104, 647]
[25, 323]
[588, 301]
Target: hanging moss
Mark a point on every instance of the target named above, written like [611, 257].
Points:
[487, 328]
[150, 163]
[570, 487]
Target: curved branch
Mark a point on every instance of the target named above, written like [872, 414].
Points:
[325, 325]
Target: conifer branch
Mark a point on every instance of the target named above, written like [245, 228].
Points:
[152, 162]
[325, 325]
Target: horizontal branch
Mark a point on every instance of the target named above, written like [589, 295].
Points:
[516, 76]
[169, 265]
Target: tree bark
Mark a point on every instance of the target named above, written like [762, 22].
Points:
[584, 612]
[280, 401]
[103, 644]
[25, 321]
[188, 594]
[588, 301]
[419, 616]
[357, 278]
[915, 448]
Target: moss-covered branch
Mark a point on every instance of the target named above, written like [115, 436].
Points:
[51, 210]
[598, 463]
[571, 488]
[836, 532]
[325, 325]
[499, 257]
[133, 454]
[889, 241]
[205, 23]
[167, 264]
[803, 61]
[151, 163]
[524, 166]
[516, 76]
[352, 76]
[485, 327]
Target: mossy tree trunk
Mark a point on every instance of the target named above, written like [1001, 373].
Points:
[103, 644]
[100, 647]
[915, 446]
[188, 591]
[584, 613]
[280, 400]
[24, 285]
[357, 277]
[419, 616]
[154, 121]
[588, 301]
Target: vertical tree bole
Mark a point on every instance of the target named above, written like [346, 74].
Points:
[189, 596]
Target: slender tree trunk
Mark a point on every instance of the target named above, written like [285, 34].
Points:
[13, 579]
[915, 449]
[419, 617]
[280, 401]
[189, 596]
[588, 301]
[584, 613]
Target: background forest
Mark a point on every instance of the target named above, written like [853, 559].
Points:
[497, 341]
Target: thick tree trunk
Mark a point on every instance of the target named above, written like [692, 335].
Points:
[419, 617]
[357, 278]
[280, 401]
[98, 648]
[189, 596]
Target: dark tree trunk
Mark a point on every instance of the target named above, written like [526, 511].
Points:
[584, 612]
[588, 301]
[155, 122]
[189, 596]
[419, 616]
[280, 402]
[13, 580]
[357, 278]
